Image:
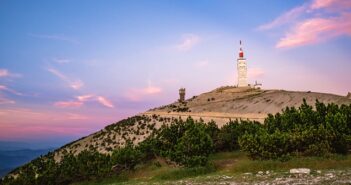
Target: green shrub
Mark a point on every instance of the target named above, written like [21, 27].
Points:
[194, 147]
[126, 158]
[303, 131]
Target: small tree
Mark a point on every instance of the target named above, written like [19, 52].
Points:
[194, 147]
[125, 158]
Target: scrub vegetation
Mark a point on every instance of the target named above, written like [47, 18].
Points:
[188, 148]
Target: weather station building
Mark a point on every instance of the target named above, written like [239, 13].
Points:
[242, 69]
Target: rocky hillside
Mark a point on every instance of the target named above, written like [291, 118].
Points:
[220, 105]
[226, 103]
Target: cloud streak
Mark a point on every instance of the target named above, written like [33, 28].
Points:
[188, 42]
[316, 30]
[19, 122]
[287, 17]
[6, 73]
[74, 84]
[105, 102]
[100, 99]
[138, 94]
[81, 100]
[5, 88]
[55, 37]
[4, 100]
[333, 5]
[61, 61]
[314, 22]
[65, 104]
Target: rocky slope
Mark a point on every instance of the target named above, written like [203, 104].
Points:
[226, 103]
[219, 105]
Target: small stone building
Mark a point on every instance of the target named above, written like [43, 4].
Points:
[181, 95]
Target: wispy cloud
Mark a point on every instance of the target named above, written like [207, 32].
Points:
[4, 100]
[138, 94]
[188, 42]
[86, 97]
[73, 116]
[314, 22]
[104, 101]
[74, 84]
[4, 72]
[56, 37]
[65, 104]
[5, 88]
[61, 60]
[7, 73]
[333, 5]
[77, 84]
[23, 123]
[81, 100]
[316, 30]
[287, 17]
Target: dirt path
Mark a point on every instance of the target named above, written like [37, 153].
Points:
[220, 118]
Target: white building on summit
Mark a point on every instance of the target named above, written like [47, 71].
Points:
[242, 69]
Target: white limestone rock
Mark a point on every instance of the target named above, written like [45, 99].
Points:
[300, 171]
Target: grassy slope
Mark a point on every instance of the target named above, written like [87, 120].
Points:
[233, 166]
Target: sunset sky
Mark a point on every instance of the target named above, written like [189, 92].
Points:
[69, 68]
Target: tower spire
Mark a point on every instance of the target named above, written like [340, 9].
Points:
[241, 52]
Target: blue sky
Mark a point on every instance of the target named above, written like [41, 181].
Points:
[68, 68]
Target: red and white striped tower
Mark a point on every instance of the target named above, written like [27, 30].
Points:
[242, 69]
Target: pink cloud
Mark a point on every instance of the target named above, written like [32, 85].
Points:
[4, 100]
[19, 122]
[312, 23]
[72, 116]
[4, 72]
[188, 42]
[104, 101]
[138, 94]
[78, 84]
[151, 90]
[287, 17]
[7, 73]
[57, 73]
[316, 30]
[5, 88]
[64, 104]
[39, 132]
[90, 97]
[84, 98]
[18, 115]
[74, 84]
[29, 123]
[331, 4]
